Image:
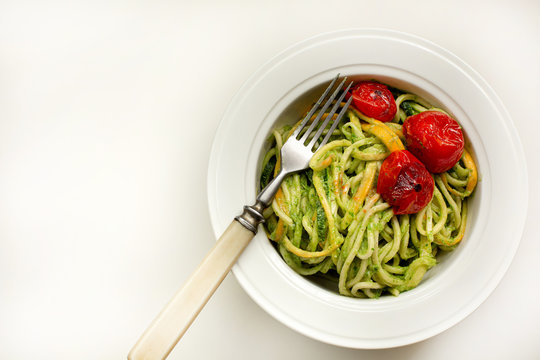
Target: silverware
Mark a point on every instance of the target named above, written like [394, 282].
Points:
[170, 325]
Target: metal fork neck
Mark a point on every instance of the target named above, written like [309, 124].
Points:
[252, 216]
[267, 194]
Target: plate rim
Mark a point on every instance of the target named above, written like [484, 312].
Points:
[490, 285]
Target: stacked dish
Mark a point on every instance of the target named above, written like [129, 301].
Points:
[278, 94]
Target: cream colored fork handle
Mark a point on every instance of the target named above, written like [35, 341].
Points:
[173, 321]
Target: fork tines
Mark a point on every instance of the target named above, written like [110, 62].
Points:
[321, 111]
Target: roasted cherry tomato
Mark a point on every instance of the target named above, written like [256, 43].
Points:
[434, 138]
[405, 183]
[373, 99]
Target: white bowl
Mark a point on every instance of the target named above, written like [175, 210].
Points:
[464, 278]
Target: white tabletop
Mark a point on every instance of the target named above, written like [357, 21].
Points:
[107, 115]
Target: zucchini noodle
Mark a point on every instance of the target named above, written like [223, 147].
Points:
[329, 219]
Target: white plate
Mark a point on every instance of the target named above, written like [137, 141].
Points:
[464, 278]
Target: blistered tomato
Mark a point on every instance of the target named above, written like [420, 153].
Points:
[434, 138]
[374, 100]
[405, 183]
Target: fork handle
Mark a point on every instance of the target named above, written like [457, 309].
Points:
[173, 321]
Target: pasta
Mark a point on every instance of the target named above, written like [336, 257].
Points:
[330, 220]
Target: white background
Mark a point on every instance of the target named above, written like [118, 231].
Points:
[107, 114]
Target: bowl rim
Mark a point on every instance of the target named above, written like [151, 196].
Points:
[510, 130]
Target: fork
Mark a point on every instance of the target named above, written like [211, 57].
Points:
[170, 325]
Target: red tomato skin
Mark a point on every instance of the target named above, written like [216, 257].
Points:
[373, 99]
[435, 139]
[405, 183]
